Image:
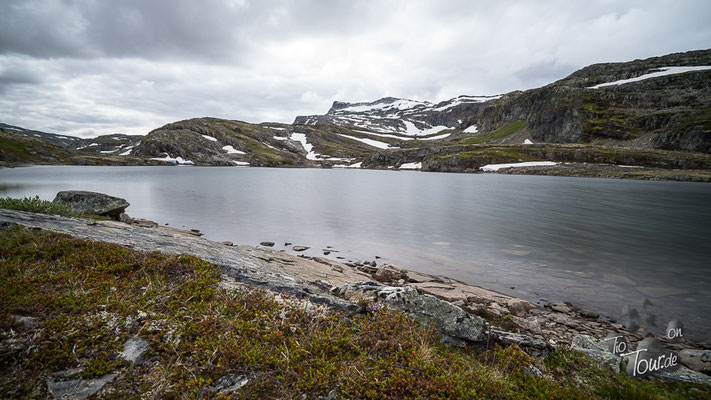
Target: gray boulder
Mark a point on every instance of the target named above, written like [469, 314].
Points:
[683, 375]
[92, 203]
[596, 350]
[448, 319]
[698, 360]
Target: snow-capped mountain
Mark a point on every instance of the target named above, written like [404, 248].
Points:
[401, 118]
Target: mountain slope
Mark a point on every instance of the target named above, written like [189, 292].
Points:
[617, 114]
[665, 111]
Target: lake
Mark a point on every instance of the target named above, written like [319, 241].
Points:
[601, 244]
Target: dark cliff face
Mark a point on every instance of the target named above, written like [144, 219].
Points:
[670, 112]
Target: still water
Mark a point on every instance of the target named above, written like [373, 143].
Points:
[601, 244]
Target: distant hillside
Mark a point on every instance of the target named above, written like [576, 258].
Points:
[653, 113]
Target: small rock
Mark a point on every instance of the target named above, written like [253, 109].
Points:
[78, 389]
[518, 307]
[326, 252]
[267, 244]
[287, 244]
[529, 324]
[300, 248]
[230, 383]
[6, 225]
[123, 217]
[133, 350]
[377, 257]
[227, 243]
[560, 307]
[366, 268]
[389, 273]
[340, 258]
[533, 371]
[589, 314]
[330, 396]
[29, 322]
[697, 360]
[144, 223]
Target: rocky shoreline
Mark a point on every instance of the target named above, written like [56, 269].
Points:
[466, 315]
[573, 170]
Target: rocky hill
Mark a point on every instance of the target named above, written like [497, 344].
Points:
[653, 113]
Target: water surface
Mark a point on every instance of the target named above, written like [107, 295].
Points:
[598, 243]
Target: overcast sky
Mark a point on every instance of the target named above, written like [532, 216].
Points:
[86, 68]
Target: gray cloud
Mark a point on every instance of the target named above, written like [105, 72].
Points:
[88, 67]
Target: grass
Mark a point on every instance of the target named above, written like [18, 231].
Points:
[36, 205]
[89, 297]
[17, 148]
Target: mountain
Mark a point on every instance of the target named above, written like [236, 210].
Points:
[661, 102]
[653, 113]
[401, 117]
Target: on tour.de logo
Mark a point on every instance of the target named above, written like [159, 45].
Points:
[650, 356]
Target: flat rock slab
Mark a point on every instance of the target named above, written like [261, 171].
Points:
[92, 203]
[262, 268]
[78, 389]
[454, 291]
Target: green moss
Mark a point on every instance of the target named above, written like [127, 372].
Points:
[36, 205]
[606, 122]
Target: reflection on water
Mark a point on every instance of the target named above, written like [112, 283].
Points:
[599, 243]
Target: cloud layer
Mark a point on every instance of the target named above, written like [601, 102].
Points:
[91, 67]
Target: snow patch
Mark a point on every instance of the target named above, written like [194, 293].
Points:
[301, 138]
[369, 142]
[231, 150]
[384, 135]
[527, 141]
[496, 167]
[472, 129]
[128, 151]
[280, 138]
[412, 130]
[177, 160]
[466, 100]
[240, 163]
[662, 72]
[210, 138]
[412, 165]
[356, 165]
